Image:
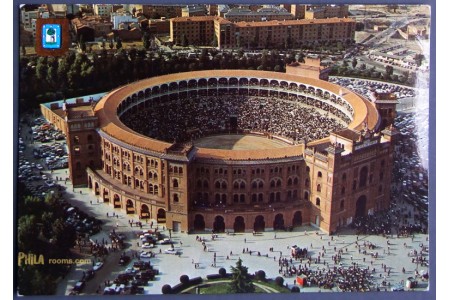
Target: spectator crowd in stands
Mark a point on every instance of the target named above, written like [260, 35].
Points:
[186, 119]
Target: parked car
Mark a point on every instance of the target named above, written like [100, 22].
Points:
[165, 241]
[79, 286]
[97, 266]
[145, 254]
[147, 246]
[171, 251]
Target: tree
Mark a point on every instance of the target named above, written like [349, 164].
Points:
[354, 62]
[146, 41]
[166, 289]
[82, 43]
[419, 58]
[261, 275]
[389, 71]
[279, 281]
[184, 279]
[240, 280]
[118, 43]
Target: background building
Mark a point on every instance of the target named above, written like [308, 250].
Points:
[103, 10]
[263, 14]
[290, 33]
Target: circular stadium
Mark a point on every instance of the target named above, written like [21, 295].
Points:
[221, 149]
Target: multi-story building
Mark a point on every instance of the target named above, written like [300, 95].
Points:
[294, 33]
[122, 18]
[193, 10]
[326, 11]
[192, 30]
[103, 10]
[158, 11]
[91, 27]
[159, 26]
[288, 33]
[326, 182]
[263, 14]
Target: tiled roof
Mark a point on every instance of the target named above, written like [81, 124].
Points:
[295, 22]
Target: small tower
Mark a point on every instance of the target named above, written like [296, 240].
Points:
[386, 104]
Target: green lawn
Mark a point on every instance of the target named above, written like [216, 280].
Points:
[210, 287]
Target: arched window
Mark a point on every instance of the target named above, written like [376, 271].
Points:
[175, 198]
[289, 183]
[224, 185]
[217, 198]
[254, 198]
[236, 198]
[217, 185]
[319, 188]
[242, 198]
[260, 197]
[242, 185]
[318, 201]
[295, 181]
[175, 183]
[278, 182]
[235, 185]
[319, 174]
[260, 184]
[307, 182]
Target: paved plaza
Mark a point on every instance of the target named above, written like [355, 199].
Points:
[228, 248]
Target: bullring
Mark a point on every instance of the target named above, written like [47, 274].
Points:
[325, 182]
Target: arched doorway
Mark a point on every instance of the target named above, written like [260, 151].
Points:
[360, 210]
[117, 203]
[239, 224]
[199, 223]
[96, 189]
[219, 224]
[130, 207]
[145, 212]
[105, 195]
[260, 224]
[278, 223]
[161, 216]
[297, 220]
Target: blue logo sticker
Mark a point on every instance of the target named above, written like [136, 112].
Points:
[51, 36]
